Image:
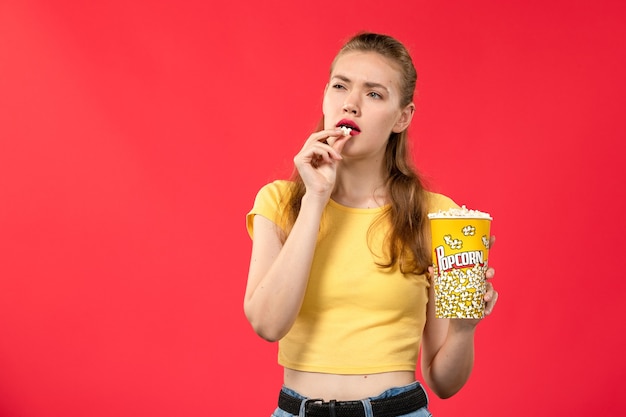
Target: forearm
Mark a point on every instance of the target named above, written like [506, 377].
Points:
[274, 304]
[452, 365]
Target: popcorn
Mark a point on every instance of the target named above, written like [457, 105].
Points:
[469, 230]
[460, 293]
[459, 212]
[453, 243]
[345, 130]
[460, 245]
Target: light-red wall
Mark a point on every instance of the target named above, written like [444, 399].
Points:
[134, 136]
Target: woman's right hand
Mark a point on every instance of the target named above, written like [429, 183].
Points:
[317, 161]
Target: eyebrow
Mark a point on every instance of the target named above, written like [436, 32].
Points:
[368, 84]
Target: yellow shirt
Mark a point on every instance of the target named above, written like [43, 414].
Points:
[357, 318]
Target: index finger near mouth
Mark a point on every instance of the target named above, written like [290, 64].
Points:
[327, 136]
[331, 140]
[327, 132]
[340, 142]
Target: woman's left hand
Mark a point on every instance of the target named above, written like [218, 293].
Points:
[491, 295]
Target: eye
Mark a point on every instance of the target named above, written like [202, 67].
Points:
[338, 86]
[375, 95]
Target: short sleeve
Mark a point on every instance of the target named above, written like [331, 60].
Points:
[270, 202]
[440, 202]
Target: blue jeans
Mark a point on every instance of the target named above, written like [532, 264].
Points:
[422, 412]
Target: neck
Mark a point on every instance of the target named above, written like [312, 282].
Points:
[360, 185]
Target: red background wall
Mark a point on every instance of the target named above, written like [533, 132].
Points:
[134, 136]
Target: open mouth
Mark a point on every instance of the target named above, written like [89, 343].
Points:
[348, 127]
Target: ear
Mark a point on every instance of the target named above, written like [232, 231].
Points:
[405, 118]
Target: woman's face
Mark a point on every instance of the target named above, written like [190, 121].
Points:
[364, 94]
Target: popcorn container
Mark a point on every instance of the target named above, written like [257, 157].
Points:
[460, 245]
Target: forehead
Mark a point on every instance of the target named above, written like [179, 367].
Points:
[369, 67]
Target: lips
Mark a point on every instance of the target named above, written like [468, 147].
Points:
[350, 124]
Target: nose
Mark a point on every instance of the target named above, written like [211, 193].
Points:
[350, 106]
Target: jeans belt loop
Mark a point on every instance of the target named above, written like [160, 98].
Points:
[331, 409]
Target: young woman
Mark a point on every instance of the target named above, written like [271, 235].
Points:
[339, 271]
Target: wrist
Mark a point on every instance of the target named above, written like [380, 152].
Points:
[315, 200]
[463, 326]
